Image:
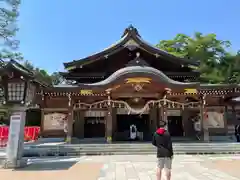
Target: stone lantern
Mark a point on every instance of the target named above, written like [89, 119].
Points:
[19, 86]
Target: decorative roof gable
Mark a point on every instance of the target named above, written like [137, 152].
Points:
[131, 40]
[137, 61]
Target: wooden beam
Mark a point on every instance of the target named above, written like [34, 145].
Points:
[135, 94]
[55, 109]
[84, 75]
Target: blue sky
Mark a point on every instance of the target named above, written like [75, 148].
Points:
[57, 31]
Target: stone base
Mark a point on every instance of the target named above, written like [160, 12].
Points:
[206, 137]
[109, 139]
[68, 139]
[13, 165]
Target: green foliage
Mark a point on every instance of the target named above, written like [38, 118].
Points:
[9, 12]
[8, 55]
[8, 17]
[40, 73]
[217, 65]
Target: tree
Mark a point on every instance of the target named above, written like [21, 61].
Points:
[40, 73]
[6, 55]
[9, 13]
[205, 49]
[230, 67]
[56, 78]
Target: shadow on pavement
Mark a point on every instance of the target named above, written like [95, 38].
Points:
[48, 166]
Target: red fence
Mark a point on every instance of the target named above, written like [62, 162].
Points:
[30, 134]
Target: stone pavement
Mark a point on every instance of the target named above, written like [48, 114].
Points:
[138, 167]
[55, 169]
[185, 167]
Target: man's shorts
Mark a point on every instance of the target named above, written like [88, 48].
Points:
[164, 162]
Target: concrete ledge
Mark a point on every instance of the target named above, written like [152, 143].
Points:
[10, 165]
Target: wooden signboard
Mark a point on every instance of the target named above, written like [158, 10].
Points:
[54, 121]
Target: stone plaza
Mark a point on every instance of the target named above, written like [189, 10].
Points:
[129, 167]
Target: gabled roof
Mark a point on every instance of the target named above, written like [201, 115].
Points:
[144, 71]
[20, 68]
[130, 39]
[14, 65]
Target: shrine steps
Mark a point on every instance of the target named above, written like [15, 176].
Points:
[128, 149]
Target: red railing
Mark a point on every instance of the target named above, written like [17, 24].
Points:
[30, 134]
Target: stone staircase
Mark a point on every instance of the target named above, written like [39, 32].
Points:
[128, 149]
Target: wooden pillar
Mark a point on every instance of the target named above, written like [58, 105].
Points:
[160, 116]
[204, 125]
[225, 115]
[70, 119]
[186, 123]
[109, 125]
[153, 119]
[114, 123]
[42, 106]
[165, 118]
[70, 125]
[42, 123]
[234, 114]
[109, 121]
[201, 115]
[79, 124]
[233, 106]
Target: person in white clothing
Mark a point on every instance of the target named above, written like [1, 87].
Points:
[196, 126]
[133, 132]
[65, 128]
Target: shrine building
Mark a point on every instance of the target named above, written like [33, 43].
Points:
[134, 83]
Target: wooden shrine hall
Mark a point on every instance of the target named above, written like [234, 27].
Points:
[134, 84]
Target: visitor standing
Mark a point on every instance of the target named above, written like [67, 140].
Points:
[197, 128]
[133, 132]
[162, 140]
[237, 132]
[65, 128]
